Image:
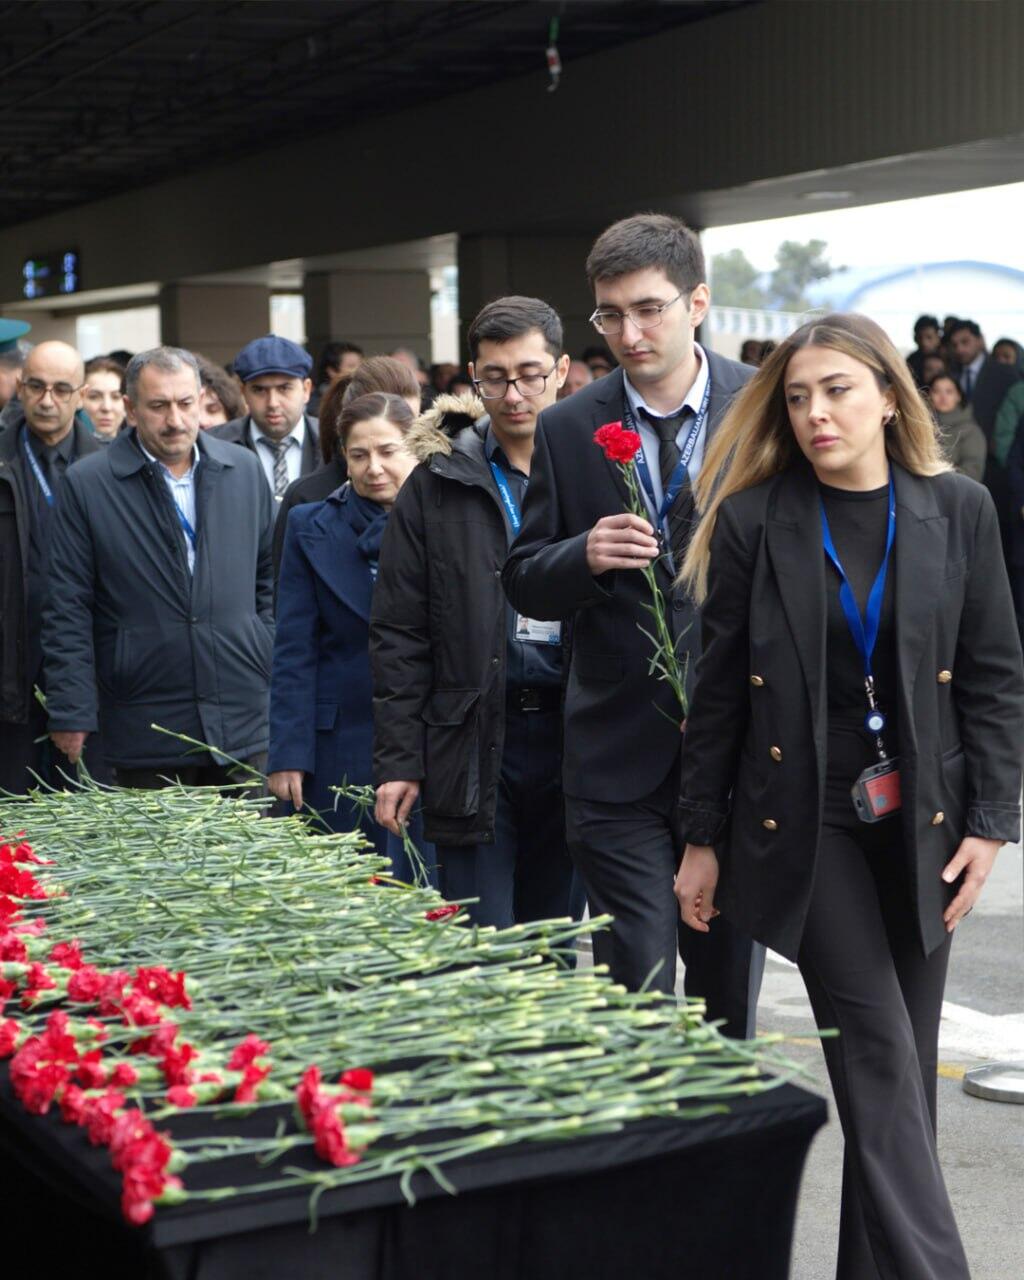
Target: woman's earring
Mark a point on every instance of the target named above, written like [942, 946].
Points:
[893, 418]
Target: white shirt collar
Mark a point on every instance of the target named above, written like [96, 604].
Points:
[188, 474]
[693, 397]
[297, 435]
[977, 362]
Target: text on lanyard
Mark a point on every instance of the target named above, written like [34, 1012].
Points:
[37, 471]
[678, 478]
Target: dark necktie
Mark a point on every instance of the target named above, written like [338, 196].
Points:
[968, 386]
[667, 429]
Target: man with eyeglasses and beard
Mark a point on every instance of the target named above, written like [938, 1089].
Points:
[43, 439]
[467, 691]
[577, 560]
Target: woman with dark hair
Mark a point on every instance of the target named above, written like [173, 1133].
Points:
[1009, 351]
[321, 692]
[378, 374]
[960, 436]
[221, 399]
[103, 397]
[852, 753]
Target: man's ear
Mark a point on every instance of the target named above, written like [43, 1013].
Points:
[700, 301]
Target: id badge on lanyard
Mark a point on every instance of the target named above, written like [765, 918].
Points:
[876, 792]
[527, 630]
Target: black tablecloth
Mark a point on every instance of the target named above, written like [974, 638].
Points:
[712, 1197]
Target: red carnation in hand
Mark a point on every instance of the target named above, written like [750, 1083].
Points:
[442, 913]
[619, 445]
[245, 1051]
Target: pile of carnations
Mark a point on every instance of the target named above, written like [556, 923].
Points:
[176, 953]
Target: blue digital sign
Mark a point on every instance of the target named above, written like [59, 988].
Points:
[51, 274]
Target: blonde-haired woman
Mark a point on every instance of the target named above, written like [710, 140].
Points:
[851, 762]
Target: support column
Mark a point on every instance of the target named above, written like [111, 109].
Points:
[214, 319]
[547, 267]
[378, 310]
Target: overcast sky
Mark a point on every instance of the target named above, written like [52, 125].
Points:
[986, 225]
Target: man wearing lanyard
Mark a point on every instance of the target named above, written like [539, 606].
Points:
[576, 560]
[467, 691]
[159, 591]
[43, 440]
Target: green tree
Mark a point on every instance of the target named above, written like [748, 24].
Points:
[734, 281]
[797, 266]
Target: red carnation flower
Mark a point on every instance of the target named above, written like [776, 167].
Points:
[329, 1140]
[67, 954]
[442, 913]
[100, 1114]
[90, 1071]
[360, 1078]
[179, 1095]
[86, 984]
[307, 1091]
[619, 445]
[13, 949]
[9, 1033]
[246, 1050]
[249, 1085]
[123, 1076]
[72, 1105]
[175, 1064]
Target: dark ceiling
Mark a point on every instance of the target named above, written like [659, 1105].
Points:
[99, 97]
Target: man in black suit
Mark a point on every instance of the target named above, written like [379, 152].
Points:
[274, 373]
[44, 439]
[576, 560]
[983, 380]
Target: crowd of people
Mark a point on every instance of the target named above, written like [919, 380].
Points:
[427, 582]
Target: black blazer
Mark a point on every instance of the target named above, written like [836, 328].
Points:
[758, 720]
[993, 381]
[621, 723]
[237, 432]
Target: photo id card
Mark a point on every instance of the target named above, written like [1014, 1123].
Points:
[530, 632]
[876, 793]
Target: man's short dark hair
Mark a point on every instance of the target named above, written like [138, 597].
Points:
[644, 242]
[925, 322]
[508, 318]
[330, 357]
[960, 325]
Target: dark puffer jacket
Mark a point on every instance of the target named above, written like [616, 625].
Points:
[438, 628]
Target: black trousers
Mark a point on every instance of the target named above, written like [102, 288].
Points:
[196, 775]
[526, 873]
[867, 976]
[628, 855]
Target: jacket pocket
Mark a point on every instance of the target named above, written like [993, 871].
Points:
[326, 716]
[598, 668]
[451, 784]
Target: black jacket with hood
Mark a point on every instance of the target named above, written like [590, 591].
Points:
[438, 631]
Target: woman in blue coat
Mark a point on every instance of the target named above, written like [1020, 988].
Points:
[321, 693]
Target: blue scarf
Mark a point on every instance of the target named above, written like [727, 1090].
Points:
[368, 520]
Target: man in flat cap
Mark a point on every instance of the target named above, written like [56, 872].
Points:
[276, 384]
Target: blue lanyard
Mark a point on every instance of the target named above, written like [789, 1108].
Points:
[678, 478]
[37, 470]
[507, 498]
[183, 520]
[864, 632]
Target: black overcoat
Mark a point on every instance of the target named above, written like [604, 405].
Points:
[758, 721]
[621, 722]
[16, 491]
[130, 637]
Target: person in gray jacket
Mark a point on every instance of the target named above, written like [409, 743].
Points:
[963, 441]
[159, 591]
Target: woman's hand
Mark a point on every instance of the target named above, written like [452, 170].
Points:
[695, 885]
[286, 784]
[977, 856]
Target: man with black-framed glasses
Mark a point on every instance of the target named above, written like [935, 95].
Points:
[577, 560]
[43, 440]
[467, 691]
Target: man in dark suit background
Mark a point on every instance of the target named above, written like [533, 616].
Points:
[576, 560]
[276, 385]
[983, 380]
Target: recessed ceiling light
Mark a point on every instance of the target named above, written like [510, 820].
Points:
[828, 195]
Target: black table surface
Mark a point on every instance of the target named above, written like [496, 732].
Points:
[80, 1178]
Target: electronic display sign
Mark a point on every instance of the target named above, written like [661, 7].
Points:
[51, 274]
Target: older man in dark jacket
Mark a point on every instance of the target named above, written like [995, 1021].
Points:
[159, 591]
[467, 694]
[43, 439]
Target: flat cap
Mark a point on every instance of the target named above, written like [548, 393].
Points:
[272, 355]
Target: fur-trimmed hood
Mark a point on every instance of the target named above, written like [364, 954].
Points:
[436, 428]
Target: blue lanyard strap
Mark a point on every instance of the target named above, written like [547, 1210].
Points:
[37, 470]
[507, 497]
[678, 478]
[864, 632]
[183, 520]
